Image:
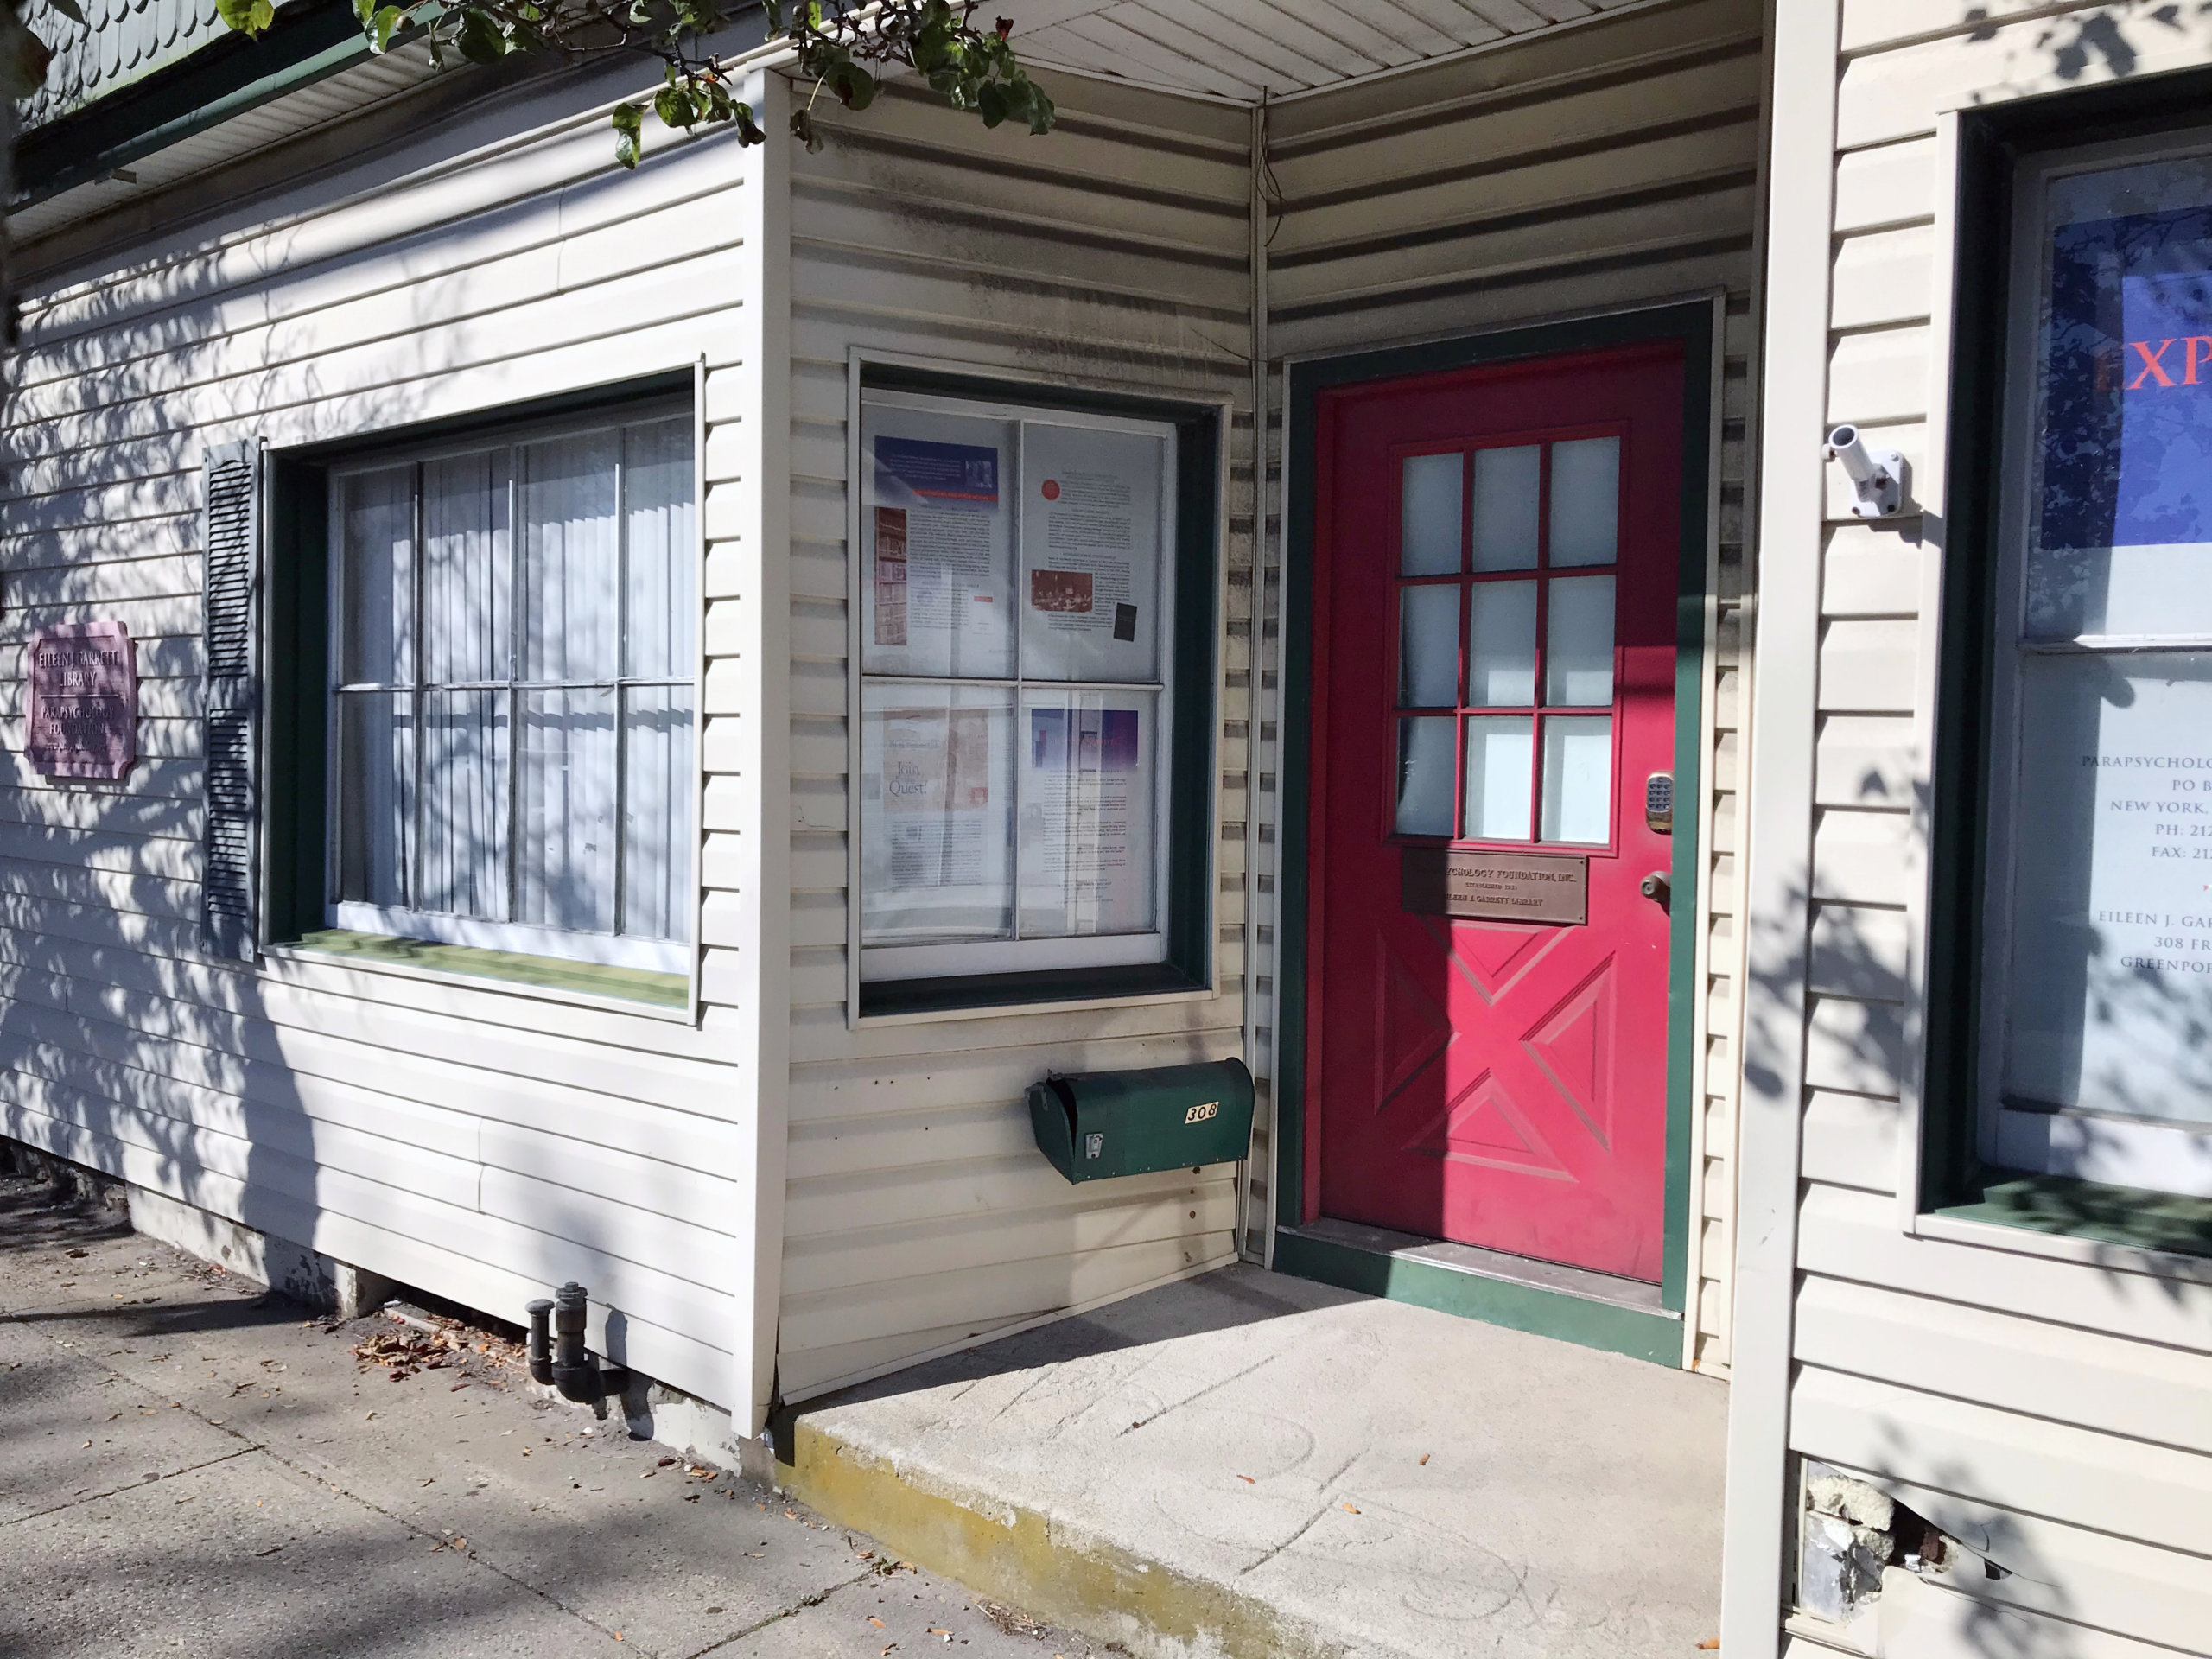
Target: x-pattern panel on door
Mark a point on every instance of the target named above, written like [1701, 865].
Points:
[1506, 542]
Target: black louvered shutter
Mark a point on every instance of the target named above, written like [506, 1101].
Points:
[231, 537]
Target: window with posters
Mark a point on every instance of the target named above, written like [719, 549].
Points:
[1024, 625]
[2097, 962]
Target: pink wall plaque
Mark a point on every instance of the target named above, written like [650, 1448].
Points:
[83, 701]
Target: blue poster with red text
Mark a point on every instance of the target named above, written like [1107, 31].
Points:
[943, 474]
[2126, 441]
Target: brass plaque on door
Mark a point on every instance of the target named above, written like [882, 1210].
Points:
[1495, 887]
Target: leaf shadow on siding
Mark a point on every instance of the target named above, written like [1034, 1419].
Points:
[2004, 1581]
[1847, 959]
[1837, 956]
[2079, 45]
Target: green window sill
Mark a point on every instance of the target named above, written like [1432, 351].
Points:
[547, 973]
[2131, 1216]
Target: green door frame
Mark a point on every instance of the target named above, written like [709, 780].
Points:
[1628, 1330]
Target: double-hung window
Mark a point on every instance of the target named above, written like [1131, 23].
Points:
[2095, 1047]
[512, 628]
[1017, 608]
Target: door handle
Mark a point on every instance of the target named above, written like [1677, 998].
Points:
[1656, 887]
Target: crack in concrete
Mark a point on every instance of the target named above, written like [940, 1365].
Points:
[1021, 1393]
[133, 1486]
[1192, 1399]
[778, 1618]
[1310, 1522]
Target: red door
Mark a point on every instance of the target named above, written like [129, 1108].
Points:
[1497, 559]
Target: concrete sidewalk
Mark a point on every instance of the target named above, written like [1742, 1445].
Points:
[1246, 1464]
[186, 1467]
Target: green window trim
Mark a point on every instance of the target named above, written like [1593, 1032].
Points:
[2070, 1208]
[1192, 666]
[1953, 1181]
[296, 566]
[542, 973]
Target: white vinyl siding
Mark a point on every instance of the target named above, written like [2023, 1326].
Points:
[480, 1143]
[1111, 254]
[2049, 1413]
[1609, 166]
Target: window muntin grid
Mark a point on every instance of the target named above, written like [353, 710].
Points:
[1507, 725]
[1009, 918]
[541, 584]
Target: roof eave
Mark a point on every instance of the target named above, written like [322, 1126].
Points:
[221, 79]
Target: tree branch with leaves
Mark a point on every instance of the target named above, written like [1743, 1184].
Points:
[843, 49]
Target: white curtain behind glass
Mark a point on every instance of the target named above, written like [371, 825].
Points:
[377, 654]
[657, 645]
[572, 630]
[468, 626]
[572, 619]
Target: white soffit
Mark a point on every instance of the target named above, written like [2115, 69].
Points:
[1241, 49]
[282, 121]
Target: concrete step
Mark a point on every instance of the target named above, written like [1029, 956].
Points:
[1248, 1465]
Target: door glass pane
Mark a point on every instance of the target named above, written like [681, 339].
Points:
[1428, 646]
[1425, 777]
[572, 550]
[936, 813]
[1585, 500]
[1087, 812]
[465, 803]
[564, 849]
[1501, 644]
[376, 846]
[1579, 779]
[376, 627]
[1499, 748]
[1506, 491]
[1428, 522]
[467, 568]
[655, 809]
[1579, 643]
[660, 551]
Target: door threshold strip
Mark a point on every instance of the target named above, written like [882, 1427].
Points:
[1613, 1291]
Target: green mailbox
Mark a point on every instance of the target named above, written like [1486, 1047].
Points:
[1107, 1124]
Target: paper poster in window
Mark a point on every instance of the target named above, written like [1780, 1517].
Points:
[2112, 907]
[1091, 553]
[2111, 903]
[2122, 538]
[1087, 812]
[940, 589]
[936, 812]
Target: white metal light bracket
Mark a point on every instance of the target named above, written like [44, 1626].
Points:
[1877, 475]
